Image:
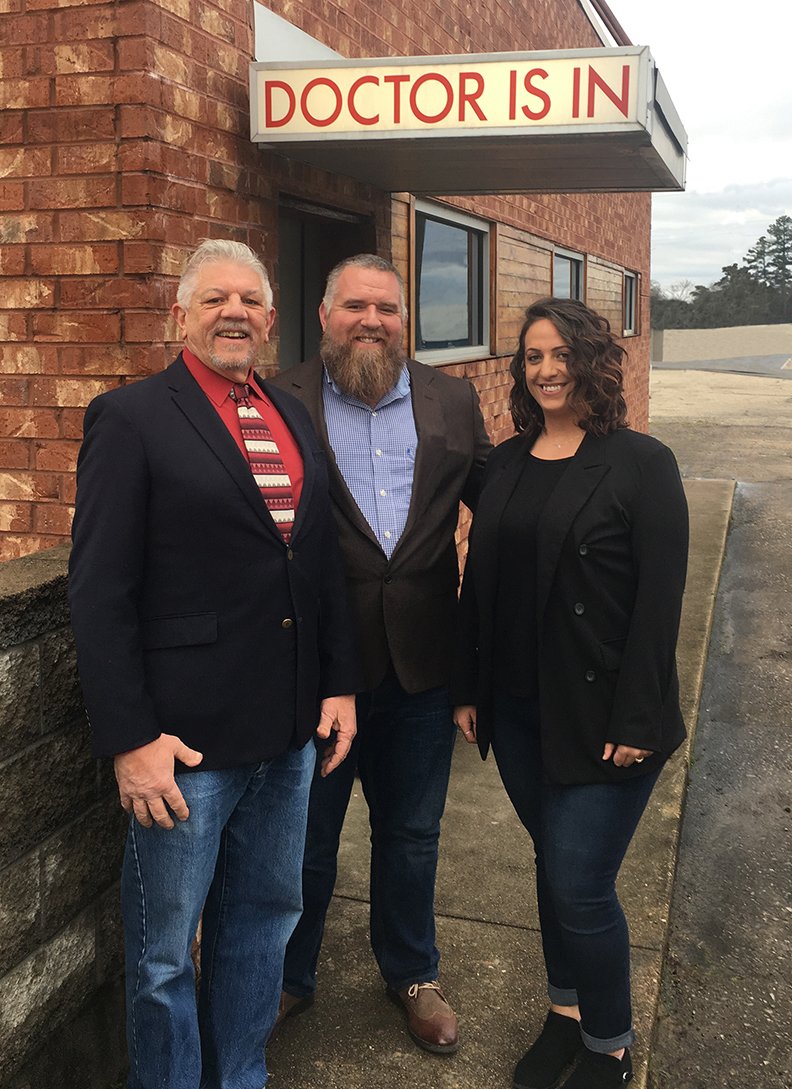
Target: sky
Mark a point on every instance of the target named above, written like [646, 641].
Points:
[726, 67]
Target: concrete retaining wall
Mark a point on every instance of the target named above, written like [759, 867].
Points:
[61, 836]
[683, 345]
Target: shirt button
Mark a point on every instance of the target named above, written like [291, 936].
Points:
[583, 550]
[373, 413]
[580, 608]
[591, 675]
[378, 453]
[287, 623]
[387, 533]
[383, 492]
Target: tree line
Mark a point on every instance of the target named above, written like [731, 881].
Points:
[757, 292]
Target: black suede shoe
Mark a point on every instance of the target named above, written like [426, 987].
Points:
[557, 1045]
[600, 1072]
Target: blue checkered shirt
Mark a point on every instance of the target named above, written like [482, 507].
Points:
[375, 453]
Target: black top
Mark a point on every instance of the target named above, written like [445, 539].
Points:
[515, 609]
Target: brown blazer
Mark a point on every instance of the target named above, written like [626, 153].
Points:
[405, 607]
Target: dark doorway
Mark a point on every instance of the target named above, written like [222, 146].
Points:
[312, 239]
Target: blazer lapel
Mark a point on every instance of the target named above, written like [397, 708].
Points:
[486, 523]
[310, 394]
[573, 490]
[190, 399]
[430, 427]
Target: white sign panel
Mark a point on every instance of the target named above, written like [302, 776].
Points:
[436, 95]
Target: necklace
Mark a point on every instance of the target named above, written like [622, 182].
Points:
[566, 441]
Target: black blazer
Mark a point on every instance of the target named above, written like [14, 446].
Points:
[191, 615]
[611, 563]
[405, 607]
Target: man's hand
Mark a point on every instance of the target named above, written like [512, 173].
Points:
[146, 782]
[337, 716]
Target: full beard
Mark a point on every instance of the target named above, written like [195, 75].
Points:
[366, 374]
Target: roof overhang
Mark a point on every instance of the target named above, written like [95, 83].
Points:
[581, 120]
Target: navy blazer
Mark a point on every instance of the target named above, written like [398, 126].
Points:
[611, 564]
[191, 615]
[405, 607]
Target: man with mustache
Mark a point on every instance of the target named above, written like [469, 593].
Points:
[406, 443]
[209, 611]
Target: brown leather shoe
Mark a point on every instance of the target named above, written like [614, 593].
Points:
[430, 1020]
[291, 1005]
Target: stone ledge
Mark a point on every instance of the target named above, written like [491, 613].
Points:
[33, 595]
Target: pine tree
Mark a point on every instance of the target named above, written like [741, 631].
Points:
[756, 261]
[779, 254]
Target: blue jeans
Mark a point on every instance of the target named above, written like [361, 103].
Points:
[580, 834]
[402, 753]
[237, 858]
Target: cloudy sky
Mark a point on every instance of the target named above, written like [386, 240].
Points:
[726, 66]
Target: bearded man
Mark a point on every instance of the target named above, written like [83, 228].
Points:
[407, 443]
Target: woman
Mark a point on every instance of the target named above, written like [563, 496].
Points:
[569, 618]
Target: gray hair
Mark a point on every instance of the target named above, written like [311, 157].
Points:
[369, 261]
[220, 249]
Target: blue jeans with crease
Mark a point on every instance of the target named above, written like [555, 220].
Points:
[403, 754]
[580, 834]
[237, 858]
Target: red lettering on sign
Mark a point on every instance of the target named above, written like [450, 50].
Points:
[576, 92]
[270, 121]
[620, 101]
[512, 95]
[359, 117]
[469, 98]
[536, 115]
[429, 118]
[397, 82]
[321, 122]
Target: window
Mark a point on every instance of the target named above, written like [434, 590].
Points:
[567, 275]
[630, 303]
[451, 285]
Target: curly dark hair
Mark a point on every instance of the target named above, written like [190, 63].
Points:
[594, 365]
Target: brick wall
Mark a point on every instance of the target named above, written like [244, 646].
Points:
[60, 843]
[124, 139]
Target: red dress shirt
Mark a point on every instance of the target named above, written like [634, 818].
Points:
[217, 389]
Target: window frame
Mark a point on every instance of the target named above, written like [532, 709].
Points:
[576, 260]
[630, 329]
[466, 353]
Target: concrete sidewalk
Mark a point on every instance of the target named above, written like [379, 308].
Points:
[487, 926]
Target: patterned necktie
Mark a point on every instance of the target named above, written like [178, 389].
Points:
[266, 462]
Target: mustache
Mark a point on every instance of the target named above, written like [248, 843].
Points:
[233, 327]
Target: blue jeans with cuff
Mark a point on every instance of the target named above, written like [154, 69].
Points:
[237, 858]
[403, 755]
[581, 834]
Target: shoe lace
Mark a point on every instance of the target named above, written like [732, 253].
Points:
[431, 985]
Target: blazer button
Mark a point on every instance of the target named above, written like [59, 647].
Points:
[388, 578]
[580, 608]
[287, 623]
[590, 675]
[583, 550]
[289, 554]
